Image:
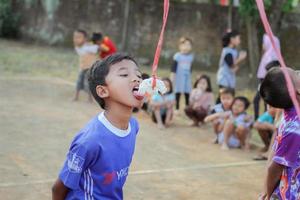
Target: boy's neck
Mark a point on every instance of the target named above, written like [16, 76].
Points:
[118, 116]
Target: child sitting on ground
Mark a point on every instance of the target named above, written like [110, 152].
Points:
[163, 106]
[100, 155]
[237, 125]
[283, 174]
[201, 100]
[265, 126]
[87, 56]
[226, 97]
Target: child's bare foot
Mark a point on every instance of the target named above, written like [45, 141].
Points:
[246, 147]
[215, 141]
[75, 99]
[194, 124]
[225, 147]
[161, 126]
[176, 112]
[264, 149]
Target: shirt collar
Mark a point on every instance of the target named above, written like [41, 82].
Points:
[116, 131]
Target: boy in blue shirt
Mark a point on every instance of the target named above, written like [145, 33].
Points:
[99, 157]
[265, 127]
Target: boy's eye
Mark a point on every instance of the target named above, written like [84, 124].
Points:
[124, 75]
[139, 76]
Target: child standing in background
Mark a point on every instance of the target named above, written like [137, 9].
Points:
[106, 45]
[87, 56]
[181, 72]
[162, 106]
[230, 60]
[201, 100]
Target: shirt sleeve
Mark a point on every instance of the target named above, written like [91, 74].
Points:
[287, 149]
[174, 66]
[91, 49]
[229, 59]
[79, 158]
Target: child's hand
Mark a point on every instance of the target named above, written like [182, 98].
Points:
[243, 55]
[225, 115]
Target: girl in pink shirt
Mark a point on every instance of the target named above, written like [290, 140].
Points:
[201, 100]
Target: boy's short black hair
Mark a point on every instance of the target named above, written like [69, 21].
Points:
[227, 91]
[99, 71]
[83, 32]
[272, 64]
[244, 100]
[274, 91]
[226, 38]
[97, 37]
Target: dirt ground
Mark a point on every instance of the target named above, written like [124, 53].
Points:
[38, 121]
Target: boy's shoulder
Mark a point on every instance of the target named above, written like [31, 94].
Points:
[218, 108]
[95, 130]
[88, 134]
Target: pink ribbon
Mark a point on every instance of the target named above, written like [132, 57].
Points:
[290, 86]
[160, 42]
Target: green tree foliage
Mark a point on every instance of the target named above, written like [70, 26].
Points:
[248, 8]
[9, 21]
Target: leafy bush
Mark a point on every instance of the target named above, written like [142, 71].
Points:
[9, 21]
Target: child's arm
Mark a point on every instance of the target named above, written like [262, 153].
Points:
[264, 126]
[216, 116]
[242, 57]
[273, 177]
[59, 190]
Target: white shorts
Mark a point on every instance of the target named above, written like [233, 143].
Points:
[233, 141]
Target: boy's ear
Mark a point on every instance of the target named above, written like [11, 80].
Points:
[102, 91]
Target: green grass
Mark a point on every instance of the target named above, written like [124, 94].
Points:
[20, 59]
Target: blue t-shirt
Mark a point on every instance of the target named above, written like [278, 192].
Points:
[98, 160]
[266, 117]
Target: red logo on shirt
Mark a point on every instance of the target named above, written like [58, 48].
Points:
[108, 178]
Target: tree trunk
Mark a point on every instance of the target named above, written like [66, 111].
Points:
[276, 15]
[125, 25]
[253, 49]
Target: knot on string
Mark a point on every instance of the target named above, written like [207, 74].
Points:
[154, 81]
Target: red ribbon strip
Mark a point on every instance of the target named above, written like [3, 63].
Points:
[160, 42]
[290, 86]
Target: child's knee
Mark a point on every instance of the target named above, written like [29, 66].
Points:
[241, 129]
[256, 125]
[229, 122]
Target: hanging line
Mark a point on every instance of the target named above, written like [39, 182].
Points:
[160, 42]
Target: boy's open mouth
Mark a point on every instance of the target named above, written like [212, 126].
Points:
[136, 94]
